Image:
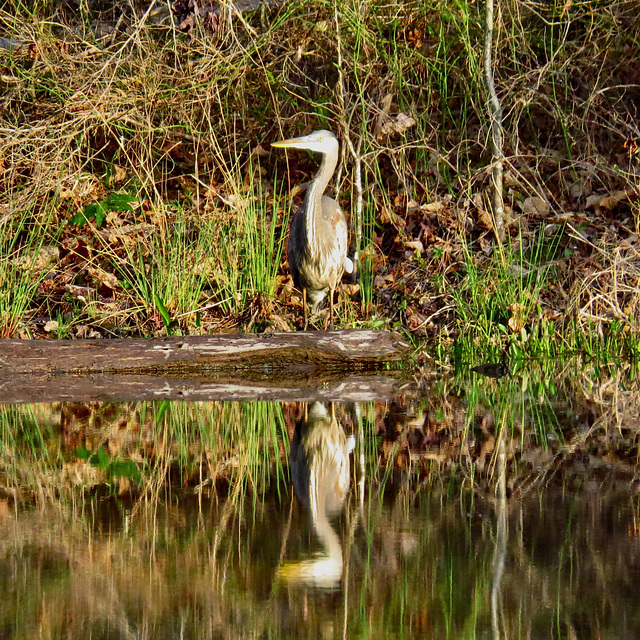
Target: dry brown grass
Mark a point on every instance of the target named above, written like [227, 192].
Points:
[611, 293]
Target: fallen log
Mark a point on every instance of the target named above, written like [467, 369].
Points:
[324, 365]
[267, 352]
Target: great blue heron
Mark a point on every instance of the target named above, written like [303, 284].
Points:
[318, 236]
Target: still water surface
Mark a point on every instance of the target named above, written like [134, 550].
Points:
[196, 569]
[229, 520]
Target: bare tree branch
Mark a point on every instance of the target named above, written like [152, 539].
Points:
[495, 110]
[355, 153]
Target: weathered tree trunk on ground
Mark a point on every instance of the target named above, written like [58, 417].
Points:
[321, 351]
[331, 365]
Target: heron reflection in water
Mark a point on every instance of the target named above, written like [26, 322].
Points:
[320, 470]
[318, 237]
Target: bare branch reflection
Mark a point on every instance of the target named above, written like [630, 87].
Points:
[500, 549]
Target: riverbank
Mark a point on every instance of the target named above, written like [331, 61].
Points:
[139, 195]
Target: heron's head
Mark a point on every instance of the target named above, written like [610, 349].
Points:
[321, 141]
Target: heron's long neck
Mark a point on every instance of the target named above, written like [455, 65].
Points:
[314, 195]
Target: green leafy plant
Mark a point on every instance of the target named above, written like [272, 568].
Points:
[98, 210]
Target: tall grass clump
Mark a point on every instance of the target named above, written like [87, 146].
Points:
[499, 301]
[250, 246]
[28, 250]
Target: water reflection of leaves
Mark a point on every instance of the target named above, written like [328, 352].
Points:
[113, 467]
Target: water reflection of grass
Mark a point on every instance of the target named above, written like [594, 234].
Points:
[60, 451]
[199, 569]
[554, 412]
[444, 438]
[192, 549]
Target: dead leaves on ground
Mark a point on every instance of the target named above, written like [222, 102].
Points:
[388, 124]
[610, 201]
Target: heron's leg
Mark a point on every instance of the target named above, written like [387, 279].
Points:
[331, 291]
[304, 307]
